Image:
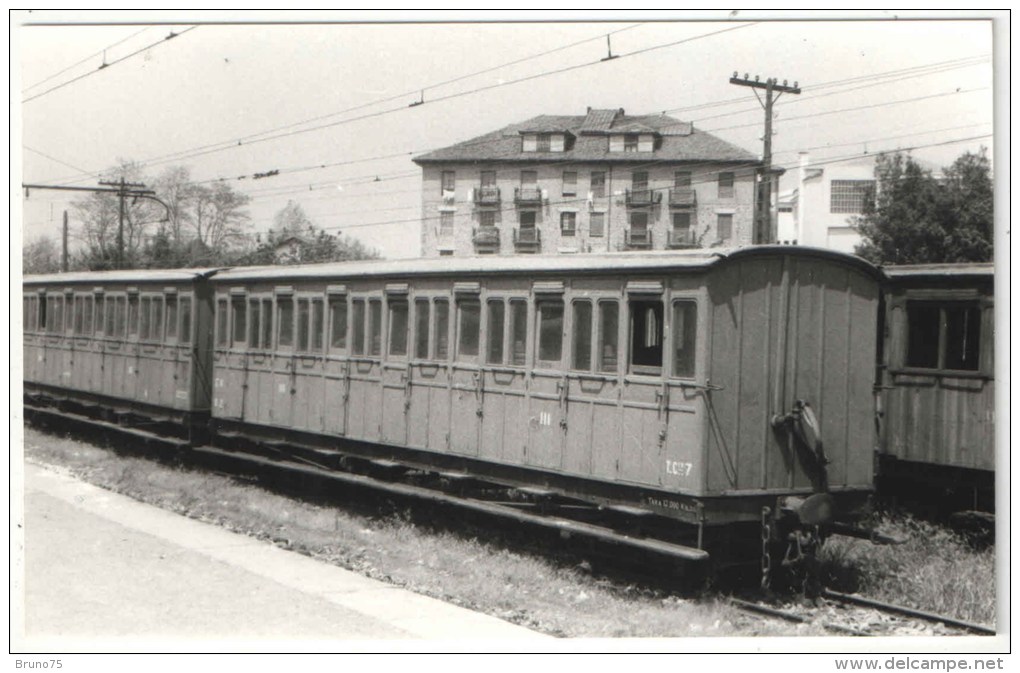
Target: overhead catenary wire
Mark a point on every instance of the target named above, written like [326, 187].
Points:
[90, 56]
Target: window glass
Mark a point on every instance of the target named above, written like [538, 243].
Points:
[442, 337]
[518, 332]
[598, 225]
[527, 219]
[449, 181]
[398, 327]
[302, 325]
[445, 224]
[254, 324]
[171, 317]
[609, 333]
[121, 318]
[923, 334]
[87, 324]
[569, 183]
[487, 218]
[494, 353]
[850, 196]
[79, 314]
[338, 322]
[550, 330]
[132, 315]
[630, 142]
[185, 320]
[639, 221]
[646, 336]
[238, 309]
[358, 322]
[568, 224]
[375, 326]
[157, 319]
[143, 323]
[963, 337]
[468, 324]
[267, 323]
[726, 185]
[681, 221]
[57, 323]
[685, 330]
[488, 178]
[581, 347]
[111, 312]
[42, 313]
[682, 179]
[598, 184]
[544, 142]
[639, 181]
[317, 325]
[421, 329]
[285, 320]
[221, 322]
[725, 226]
[529, 179]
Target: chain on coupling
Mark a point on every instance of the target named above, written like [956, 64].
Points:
[766, 557]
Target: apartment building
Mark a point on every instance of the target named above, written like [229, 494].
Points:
[602, 181]
[828, 196]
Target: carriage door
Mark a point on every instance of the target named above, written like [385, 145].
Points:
[505, 385]
[643, 394]
[259, 394]
[467, 383]
[396, 372]
[681, 406]
[548, 390]
[308, 382]
[365, 402]
[431, 385]
[336, 365]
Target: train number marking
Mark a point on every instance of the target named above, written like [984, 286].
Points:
[679, 468]
[181, 394]
[282, 388]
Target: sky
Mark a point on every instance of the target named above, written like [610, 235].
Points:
[235, 99]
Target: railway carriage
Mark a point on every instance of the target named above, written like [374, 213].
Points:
[702, 386]
[937, 394]
[125, 343]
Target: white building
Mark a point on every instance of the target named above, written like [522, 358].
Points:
[819, 211]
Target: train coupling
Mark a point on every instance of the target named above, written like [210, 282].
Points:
[814, 510]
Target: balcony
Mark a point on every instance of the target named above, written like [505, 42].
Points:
[487, 195]
[528, 196]
[639, 198]
[681, 238]
[486, 239]
[683, 197]
[638, 239]
[527, 239]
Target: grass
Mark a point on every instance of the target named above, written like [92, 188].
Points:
[935, 571]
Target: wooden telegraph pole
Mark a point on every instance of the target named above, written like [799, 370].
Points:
[773, 90]
[123, 190]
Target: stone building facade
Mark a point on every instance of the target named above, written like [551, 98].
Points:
[604, 181]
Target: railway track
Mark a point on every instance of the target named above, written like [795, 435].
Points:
[852, 615]
[533, 508]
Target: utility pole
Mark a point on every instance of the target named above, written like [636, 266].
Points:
[63, 257]
[763, 221]
[123, 191]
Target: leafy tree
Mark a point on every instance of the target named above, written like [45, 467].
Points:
[294, 239]
[40, 256]
[917, 218]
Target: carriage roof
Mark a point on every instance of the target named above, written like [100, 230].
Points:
[127, 276]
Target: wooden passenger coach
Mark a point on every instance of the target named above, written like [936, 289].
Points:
[664, 381]
[127, 341]
[938, 382]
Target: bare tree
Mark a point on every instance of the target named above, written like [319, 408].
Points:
[219, 219]
[40, 256]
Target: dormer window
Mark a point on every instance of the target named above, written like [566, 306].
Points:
[630, 142]
[543, 142]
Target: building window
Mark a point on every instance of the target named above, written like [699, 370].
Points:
[646, 336]
[488, 178]
[446, 225]
[529, 179]
[681, 221]
[487, 218]
[850, 196]
[726, 185]
[598, 184]
[569, 183]
[568, 224]
[544, 142]
[638, 221]
[527, 219]
[639, 181]
[685, 330]
[944, 336]
[724, 226]
[630, 142]
[682, 179]
[598, 225]
[449, 182]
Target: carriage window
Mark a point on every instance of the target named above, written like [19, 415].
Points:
[581, 347]
[171, 318]
[119, 324]
[285, 319]
[518, 332]
[685, 330]
[317, 325]
[338, 320]
[495, 330]
[646, 336]
[609, 332]
[110, 329]
[944, 336]
[398, 327]
[302, 325]
[185, 320]
[58, 306]
[267, 324]
[238, 310]
[79, 315]
[132, 315]
[359, 326]
[469, 314]
[254, 327]
[421, 328]
[87, 323]
[550, 330]
[143, 326]
[375, 327]
[157, 318]
[221, 322]
[442, 337]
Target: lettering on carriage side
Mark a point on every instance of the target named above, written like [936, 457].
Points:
[663, 503]
[181, 394]
[679, 468]
[217, 383]
[282, 388]
[131, 369]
